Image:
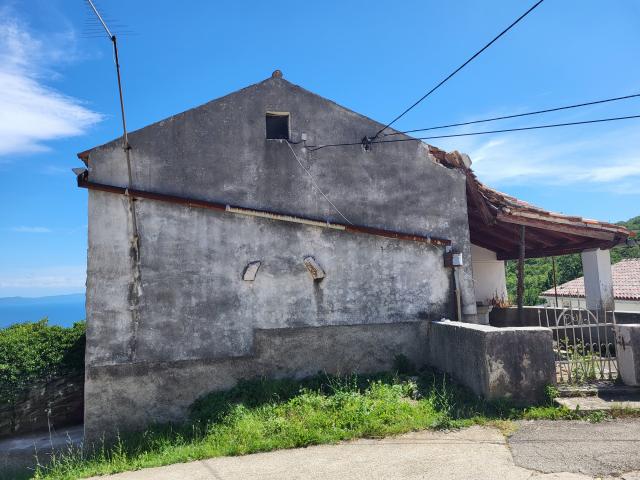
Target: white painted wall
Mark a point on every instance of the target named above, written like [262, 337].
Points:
[488, 275]
[598, 281]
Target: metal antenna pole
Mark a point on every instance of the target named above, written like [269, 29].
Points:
[136, 283]
[104, 25]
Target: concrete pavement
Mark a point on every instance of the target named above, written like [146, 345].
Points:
[542, 451]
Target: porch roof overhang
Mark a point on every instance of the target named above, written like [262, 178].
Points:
[495, 220]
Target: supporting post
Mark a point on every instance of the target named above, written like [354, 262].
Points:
[520, 290]
[598, 282]
[555, 281]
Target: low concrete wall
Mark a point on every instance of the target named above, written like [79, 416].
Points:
[135, 395]
[628, 353]
[514, 363]
[508, 317]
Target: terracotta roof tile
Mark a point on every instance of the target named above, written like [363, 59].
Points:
[501, 202]
[626, 282]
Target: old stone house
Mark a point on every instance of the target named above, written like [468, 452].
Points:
[235, 247]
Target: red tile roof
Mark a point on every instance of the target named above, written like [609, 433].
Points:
[626, 282]
[495, 220]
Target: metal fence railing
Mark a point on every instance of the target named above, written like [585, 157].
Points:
[583, 343]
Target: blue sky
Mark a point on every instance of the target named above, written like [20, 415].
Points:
[58, 95]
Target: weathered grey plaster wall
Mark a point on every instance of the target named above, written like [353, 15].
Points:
[513, 363]
[195, 305]
[628, 353]
[218, 152]
[139, 394]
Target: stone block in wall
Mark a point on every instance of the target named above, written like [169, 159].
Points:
[628, 353]
[495, 363]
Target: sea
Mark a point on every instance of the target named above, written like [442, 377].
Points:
[62, 310]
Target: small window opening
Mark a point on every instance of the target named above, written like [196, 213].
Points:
[277, 126]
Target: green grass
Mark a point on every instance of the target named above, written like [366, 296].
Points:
[264, 415]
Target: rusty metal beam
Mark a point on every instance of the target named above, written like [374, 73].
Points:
[83, 182]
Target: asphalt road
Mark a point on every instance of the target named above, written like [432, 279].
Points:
[608, 448]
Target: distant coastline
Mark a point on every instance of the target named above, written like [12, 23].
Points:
[61, 310]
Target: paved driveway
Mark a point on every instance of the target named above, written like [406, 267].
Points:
[609, 448]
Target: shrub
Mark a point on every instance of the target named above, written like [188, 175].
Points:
[35, 351]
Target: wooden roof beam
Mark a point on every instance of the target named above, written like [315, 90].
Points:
[478, 200]
[557, 227]
[552, 252]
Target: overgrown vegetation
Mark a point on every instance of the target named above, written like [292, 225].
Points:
[263, 415]
[30, 352]
[538, 272]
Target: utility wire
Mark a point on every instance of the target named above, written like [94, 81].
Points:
[442, 82]
[487, 132]
[548, 110]
[316, 185]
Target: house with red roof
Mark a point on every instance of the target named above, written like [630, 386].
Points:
[626, 288]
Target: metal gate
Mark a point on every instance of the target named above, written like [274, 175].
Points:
[583, 344]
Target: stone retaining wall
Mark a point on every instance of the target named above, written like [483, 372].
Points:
[57, 402]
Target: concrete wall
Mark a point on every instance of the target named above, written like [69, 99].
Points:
[535, 316]
[151, 392]
[598, 280]
[628, 353]
[489, 278]
[195, 307]
[513, 363]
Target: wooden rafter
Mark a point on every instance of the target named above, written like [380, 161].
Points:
[556, 227]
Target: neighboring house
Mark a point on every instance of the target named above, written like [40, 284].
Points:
[626, 288]
[236, 247]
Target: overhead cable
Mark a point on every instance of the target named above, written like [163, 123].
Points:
[505, 117]
[313, 148]
[473, 57]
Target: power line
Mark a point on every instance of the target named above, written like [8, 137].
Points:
[505, 117]
[442, 82]
[487, 132]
